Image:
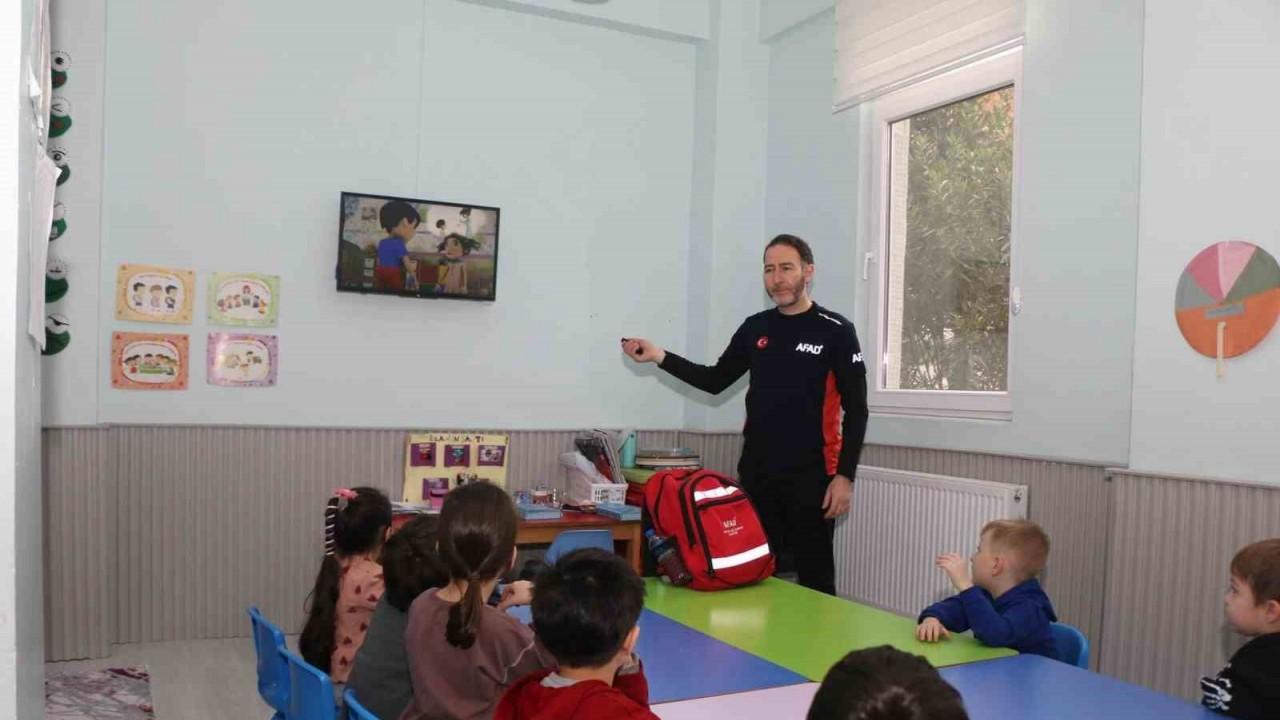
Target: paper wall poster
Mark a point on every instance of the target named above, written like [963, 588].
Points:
[148, 361]
[1228, 300]
[59, 64]
[245, 299]
[42, 194]
[148, 293]
[59, 116]
[242, 360]
[435, 463]
[57, 334]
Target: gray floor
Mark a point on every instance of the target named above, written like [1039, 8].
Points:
[193, 680]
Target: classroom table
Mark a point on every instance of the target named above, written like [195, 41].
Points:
[1031, 686]
[682, 663]
[626, 533]
[801, 629]
[1025, 686]
[780, 703]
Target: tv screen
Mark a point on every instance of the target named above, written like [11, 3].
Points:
[417, 248]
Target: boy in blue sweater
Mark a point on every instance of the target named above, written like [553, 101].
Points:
[1001, 601]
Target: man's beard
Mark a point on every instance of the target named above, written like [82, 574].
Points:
[796, 290]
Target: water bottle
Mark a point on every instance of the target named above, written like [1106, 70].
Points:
[668, 559]
[628, 451]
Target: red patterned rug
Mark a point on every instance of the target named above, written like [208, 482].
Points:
[111, 694]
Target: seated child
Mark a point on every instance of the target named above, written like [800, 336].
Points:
[585, 610]
[464, 654]
[349, 583]
[380, 675]
[883, 683]
[1249, 686]
[1002, 601]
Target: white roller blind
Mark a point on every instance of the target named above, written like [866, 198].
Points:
[882, 45]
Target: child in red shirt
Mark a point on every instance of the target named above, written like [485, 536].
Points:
[585, 610]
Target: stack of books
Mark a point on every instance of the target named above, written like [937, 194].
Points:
[668, 458]
[618, 511]
[537, 511]
[637, 476]
[601, 448]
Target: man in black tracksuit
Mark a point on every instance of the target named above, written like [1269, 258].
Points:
[806, 366]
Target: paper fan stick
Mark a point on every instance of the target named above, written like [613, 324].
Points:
[1222, 368]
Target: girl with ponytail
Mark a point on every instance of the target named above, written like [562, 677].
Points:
[464, 654]
[349, 583]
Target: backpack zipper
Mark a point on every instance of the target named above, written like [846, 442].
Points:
[685, 513]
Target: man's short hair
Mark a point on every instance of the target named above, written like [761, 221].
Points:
[1023, 539]
[1259, 565]
[791, 241]
[585, 606]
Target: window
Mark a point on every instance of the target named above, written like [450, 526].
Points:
[942, 237]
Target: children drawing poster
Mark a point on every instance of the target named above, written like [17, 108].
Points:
[246, 299]
[148, 361]
[148, 293]
[240, 360]
[436, 463]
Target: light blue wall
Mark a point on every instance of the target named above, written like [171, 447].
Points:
[1075, 253]
[729, 202]
[680, 19]
[231, 127]
[813, 161]
[1209, 155]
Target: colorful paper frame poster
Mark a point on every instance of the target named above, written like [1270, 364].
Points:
[244, 299]
[149, 361]
[435, 463]
[149, 293]
[1228, 299]
[242, 360]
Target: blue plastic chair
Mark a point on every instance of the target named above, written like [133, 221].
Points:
[311, 696]
[1073, 646]
[571, 540]
[356, 711]
[273, 671]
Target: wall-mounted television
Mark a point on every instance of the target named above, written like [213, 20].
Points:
[417, 248]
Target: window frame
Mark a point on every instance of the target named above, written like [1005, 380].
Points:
[965, 82]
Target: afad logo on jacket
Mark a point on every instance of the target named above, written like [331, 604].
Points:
[807, 348]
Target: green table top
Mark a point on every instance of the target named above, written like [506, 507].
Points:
[802, 630]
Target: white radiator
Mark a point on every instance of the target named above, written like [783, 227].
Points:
[899, 521]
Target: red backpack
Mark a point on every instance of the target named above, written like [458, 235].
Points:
[714, 524]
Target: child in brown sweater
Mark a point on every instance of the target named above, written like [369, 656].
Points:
[464, 654]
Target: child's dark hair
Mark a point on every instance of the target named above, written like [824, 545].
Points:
[1259, 565]
[585, 606]
[355, 521]
[795, 243]
[394, 211]
[476, 539]
[139, 285]
[883, 683]
[410, 565]
[467, 244]
[440, 223]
